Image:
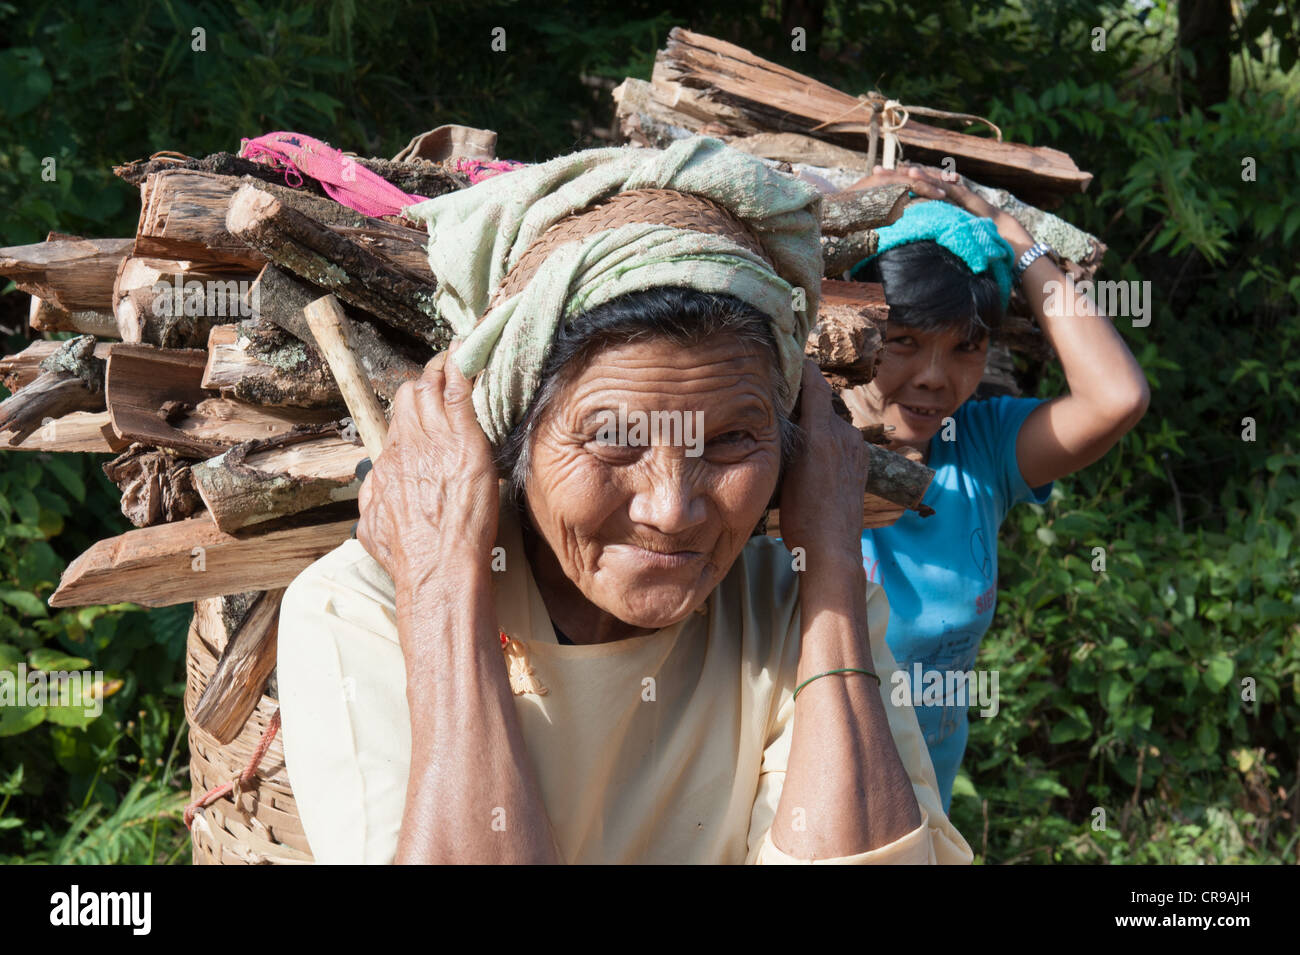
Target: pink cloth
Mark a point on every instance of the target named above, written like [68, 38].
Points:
[479, 169]
[343, 178]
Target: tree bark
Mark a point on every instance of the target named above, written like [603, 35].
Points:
[265, 365]
[856, 210]
[44, 317]
[156, 485]
[357, 275]
[418, 178]
[71, 275]
[191, 559]
[283, 297]
[242, 671]
[72, 379]
[260, 481]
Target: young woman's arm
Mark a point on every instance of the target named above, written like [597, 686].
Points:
[1108, 392]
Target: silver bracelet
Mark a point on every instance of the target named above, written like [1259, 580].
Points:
[1030, 256]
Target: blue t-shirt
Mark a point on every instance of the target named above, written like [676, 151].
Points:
[941, 572]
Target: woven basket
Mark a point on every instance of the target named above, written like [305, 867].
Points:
[263, 828]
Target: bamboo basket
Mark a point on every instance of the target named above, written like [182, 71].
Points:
[263, 828]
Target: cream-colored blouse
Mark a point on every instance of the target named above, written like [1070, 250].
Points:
[668, 748]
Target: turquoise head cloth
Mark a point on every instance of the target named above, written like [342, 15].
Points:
[480, 232]
[972, 239]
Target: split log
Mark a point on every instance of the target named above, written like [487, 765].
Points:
[157, 485]
[857, 210]
[44, 317]
[333, 332]
[183, 216]
[24, 367]
[841, 252]
[191, 559]
[283, 298]
[414, 178]
[798, 149]
[263, 480]
[1081, 252]
[718, 81]
[77, 432]
[644, 121]
[265, 365]
[245, 664]
[171, 304]
[71, 275]
[155, 396]
[847, 340]
[333, 263]
[72, 379]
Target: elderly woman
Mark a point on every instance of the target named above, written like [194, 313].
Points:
[555, 638]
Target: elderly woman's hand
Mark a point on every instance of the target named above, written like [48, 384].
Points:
[430, 502]
[821, 497]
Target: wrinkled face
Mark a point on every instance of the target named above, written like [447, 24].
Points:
[647, 530]
[922, 378]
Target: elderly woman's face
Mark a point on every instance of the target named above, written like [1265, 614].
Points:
[646, 531]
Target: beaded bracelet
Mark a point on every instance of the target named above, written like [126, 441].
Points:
[1030, 256]
[831, 673]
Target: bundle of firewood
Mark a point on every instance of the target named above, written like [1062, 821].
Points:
[194, 363]
[702, 85]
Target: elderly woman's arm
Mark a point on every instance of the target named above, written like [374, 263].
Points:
[846, 790]
[429, 513]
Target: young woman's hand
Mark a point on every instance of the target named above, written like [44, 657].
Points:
[930, 182]
[923, 185]
[429, 504]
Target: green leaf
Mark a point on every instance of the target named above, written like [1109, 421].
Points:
[27, 603]
[10, 656]
[1207, 738]
[68, 476]
[20, 719]
[50, 660]
[1218, 671]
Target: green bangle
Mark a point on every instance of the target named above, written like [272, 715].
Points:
[832, 672]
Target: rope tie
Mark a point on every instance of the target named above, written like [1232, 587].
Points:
[890, 116]
[236, 786]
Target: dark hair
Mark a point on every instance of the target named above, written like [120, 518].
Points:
[684, 316]
[930, 289]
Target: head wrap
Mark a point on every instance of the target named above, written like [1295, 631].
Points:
[972, 239]
[478, 235]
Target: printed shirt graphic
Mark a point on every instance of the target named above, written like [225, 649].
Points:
[940, 572]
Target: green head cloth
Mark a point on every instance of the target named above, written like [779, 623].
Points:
[479, 233]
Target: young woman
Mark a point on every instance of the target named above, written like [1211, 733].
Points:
[947, 268]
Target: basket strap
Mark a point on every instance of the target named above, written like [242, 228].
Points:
[243, 780]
